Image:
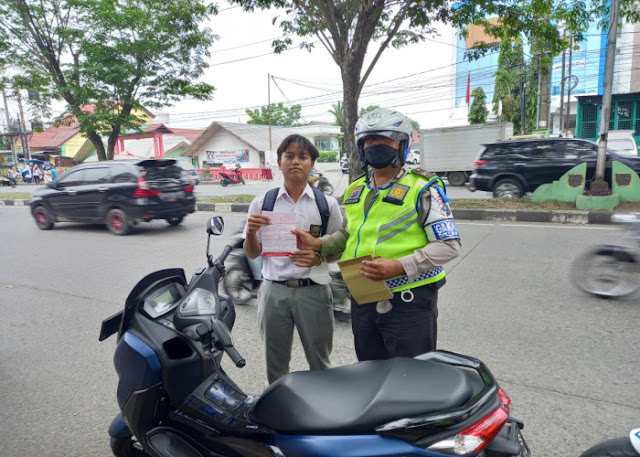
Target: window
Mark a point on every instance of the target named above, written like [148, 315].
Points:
[578, 150]
[96, 175]
[70, 179]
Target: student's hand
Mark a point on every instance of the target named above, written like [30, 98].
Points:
[309, 241]
[305, 258]
[380, 269]
[255, 222]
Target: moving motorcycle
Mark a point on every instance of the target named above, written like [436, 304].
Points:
[243, 278]
[628, 446]
[232, 177]
[321, 182]
[176, 400]
[611, 271]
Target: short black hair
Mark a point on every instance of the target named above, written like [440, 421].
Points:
[303, 144]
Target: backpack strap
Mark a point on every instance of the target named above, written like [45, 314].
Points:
[270, 199]
[321, 202]
[323, 209]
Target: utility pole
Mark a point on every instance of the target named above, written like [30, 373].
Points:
[269, 108]
[23, 127]
[10, 138]
[569, 82]
[523, 100]
[599, 182]
[562, 79]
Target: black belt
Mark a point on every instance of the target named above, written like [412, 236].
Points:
[296, 282]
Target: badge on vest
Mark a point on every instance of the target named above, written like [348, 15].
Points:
[396, 194]
[354, 196]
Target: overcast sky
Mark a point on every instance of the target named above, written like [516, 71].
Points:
[417, 80]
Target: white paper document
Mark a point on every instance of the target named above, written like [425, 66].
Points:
[277, 239]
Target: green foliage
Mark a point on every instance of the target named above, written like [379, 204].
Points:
[478, 111]
[114, 54]
[280, 115]
[347, 29]
[337, 109]
[328, 156]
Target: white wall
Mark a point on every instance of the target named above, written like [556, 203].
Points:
[225, 141]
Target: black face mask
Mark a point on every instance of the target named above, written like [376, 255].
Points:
[380, 155]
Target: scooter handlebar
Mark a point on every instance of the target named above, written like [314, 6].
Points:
[235, 356]
[225, 253]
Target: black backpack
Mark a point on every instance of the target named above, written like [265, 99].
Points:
[321, 201]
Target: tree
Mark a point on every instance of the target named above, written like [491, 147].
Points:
[280, 115]
[478, 112]
[346, 29]
[108, 58]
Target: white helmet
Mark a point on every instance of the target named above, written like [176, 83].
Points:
[384, 122]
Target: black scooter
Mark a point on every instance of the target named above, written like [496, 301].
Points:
[176, 400]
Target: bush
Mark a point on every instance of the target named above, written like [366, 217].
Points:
[328, 156]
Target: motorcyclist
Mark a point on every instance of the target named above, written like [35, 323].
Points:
[403, 219]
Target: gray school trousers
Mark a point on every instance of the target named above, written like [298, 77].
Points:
[310, 310]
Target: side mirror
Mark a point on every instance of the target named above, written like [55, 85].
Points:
[215, 226]
[52, 185]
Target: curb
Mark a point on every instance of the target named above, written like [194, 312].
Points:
[576, 217]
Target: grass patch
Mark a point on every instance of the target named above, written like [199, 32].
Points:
[523, 203]
[15, 196]
[240, 198]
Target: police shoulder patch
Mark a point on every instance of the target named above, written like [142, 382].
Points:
[354, 196]
[423, 173]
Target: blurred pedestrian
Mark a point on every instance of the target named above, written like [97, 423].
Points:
[54, 173]
[48, 176]
[13, 176]
[26, 173]
[36, 173]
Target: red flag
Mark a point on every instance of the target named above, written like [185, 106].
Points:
[469, 88]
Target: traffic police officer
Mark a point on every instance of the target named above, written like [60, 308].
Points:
[402, 218]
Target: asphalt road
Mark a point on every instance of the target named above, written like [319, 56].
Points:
[331, 171]
[570, 363]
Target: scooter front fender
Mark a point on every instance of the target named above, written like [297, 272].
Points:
[118, 428]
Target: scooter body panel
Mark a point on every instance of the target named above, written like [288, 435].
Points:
[137, 365]
[347, 446]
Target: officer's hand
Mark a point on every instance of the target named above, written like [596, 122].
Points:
[309, 241]
[380, 269]
[255, 222]
[305, 258]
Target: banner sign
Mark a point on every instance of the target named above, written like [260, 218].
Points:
[239, 155]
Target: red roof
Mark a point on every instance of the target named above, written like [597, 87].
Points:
[53, 137]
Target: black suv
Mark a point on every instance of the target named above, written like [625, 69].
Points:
[513, 168]
[118, 193]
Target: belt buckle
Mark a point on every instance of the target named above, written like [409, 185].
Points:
[293, 283]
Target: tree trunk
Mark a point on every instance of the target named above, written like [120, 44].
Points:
[99, 145]
[350, 83]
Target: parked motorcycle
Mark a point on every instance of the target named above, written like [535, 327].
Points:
[628, 446]
[243, 278]
[232, 177]
[176, 400]
[611, 271]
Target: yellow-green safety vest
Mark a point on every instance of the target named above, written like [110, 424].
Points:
[389, 229]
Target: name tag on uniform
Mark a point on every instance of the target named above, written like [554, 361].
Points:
[354, 196]
[396, 194]
[315, 230]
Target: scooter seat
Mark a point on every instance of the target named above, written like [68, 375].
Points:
[356, 399]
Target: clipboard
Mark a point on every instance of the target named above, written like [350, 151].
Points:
[363, 289]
